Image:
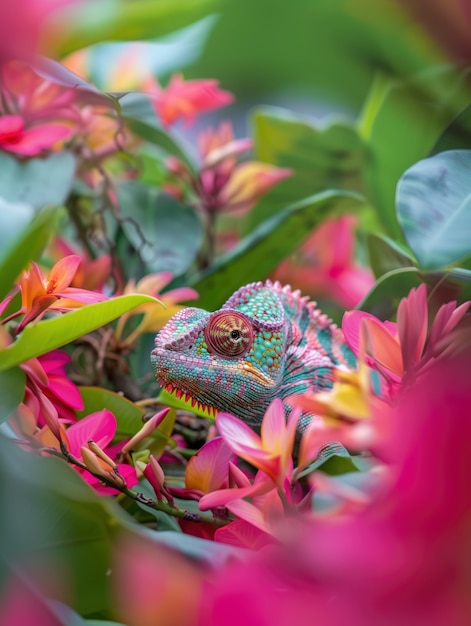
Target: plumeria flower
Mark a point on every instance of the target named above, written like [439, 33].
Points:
[271, 450]
[40, 293]
[325, 264]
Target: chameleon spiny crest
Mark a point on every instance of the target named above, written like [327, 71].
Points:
[266, 341]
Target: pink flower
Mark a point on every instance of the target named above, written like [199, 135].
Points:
[99, 427]
[208, 469]
[222, 183]
[32, 141]
[185, 99]
[50, 397]
[271, 451]
[225, 185]
[325, 265]
[403, 348]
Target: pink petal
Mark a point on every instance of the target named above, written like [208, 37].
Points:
[208, 469]
[273, 428]
[182, 294]
[222, 496]
[56, 359]
[244, 535]
[99, 426]
[34, 140]
[249, 513]
[412, 321]
[66, 391]
[238, 436]
[382, 347]
[62, 274]
[351, 324]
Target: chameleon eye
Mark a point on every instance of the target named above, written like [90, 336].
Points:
[229, 334]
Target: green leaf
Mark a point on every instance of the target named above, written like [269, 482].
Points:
[327, 157]
[434, 208]
[319, 53]
[53, 333]
[333, 459]
[73, 529]
[128, 415]
[261, 251]
[19, 245]
[139, 114]
[401, 122]
[120, 20]
[385, 254]
[37, 182]
[383, 298]
[167, 234]
[12, 391]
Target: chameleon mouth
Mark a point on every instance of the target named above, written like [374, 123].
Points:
[179, 394]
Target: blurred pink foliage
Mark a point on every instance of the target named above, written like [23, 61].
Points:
[21, 25]
[325, 264]
[403, 558]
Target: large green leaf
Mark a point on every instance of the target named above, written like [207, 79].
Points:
[12, 391]
[313, 50]
[70, 539]
[37, 182]
[323, 157]
[386, 255]
[401, 123]
[121, 20]
[167, 234]
[23, 236]
[261, 251]
[434, 208]
[53, 333]
[139, 114]
[128, 415]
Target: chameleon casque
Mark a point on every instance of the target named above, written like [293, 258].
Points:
[266, 341]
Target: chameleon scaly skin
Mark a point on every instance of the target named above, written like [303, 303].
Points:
[266, 341]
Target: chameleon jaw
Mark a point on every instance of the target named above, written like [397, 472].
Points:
[186, 397]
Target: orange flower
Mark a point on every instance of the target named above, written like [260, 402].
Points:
[39, 293]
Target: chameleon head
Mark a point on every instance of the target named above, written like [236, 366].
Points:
[230, 360]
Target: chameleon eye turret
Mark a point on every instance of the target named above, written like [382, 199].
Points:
[229, 334]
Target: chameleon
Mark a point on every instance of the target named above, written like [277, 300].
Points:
[266, 341]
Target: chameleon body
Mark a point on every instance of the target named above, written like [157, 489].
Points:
[266, 341]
